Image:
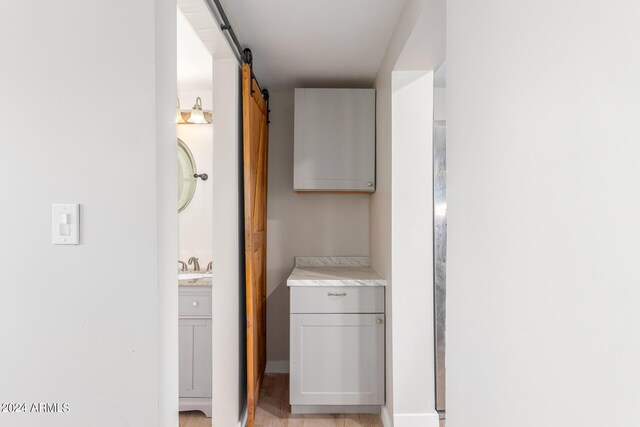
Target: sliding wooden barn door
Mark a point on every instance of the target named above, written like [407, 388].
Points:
[256, 136]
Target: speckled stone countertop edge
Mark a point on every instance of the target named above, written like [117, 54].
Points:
[336, 283]
[333, 261]
[202, 283]
[345, 276]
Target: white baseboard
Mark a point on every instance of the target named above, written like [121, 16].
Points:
[416, 420]
[386, 417]
[277, 367]
[244, 415]
[335, 409]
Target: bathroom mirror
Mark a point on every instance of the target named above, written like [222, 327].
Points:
[186, 170]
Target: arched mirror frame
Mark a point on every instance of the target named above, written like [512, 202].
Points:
[187, 177]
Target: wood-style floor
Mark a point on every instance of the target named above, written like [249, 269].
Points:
[194, 419]
[274, 411]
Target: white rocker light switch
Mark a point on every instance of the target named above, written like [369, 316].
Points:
[66, 224]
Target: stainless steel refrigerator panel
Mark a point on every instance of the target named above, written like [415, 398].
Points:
[440, 258]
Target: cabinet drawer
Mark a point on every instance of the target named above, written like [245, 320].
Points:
[194, 304]
[342, 299]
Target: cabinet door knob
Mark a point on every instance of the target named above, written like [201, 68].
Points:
[195, 303]
[379, 321]
[370, 184]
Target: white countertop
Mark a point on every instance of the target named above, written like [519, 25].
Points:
[204, 282]
[341, 274]
[194, 278]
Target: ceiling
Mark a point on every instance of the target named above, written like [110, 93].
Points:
[194, 60]
[199, 17]
[325, 43]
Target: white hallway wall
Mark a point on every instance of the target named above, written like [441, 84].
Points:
[196, 220]
[301, 224]
[412, 253]
[83, 327]
[229, 380]
[398, 249]
[543, 213]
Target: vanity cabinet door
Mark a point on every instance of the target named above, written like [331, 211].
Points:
[337, 359]
[195, 357]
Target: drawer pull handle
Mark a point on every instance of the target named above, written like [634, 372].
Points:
[333, 294]
[195, 303]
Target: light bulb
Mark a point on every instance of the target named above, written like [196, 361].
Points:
[197, 116]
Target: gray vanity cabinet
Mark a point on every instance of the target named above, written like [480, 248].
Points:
[195, 357]
[337, 349]
[195, 347]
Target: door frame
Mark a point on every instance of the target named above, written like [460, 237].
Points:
[167, 213]
[227, 405]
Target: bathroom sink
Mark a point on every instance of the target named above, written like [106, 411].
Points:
[193, 275]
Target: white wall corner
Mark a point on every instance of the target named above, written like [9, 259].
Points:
[386, 417]
[277, 367]
[416, 420]
[167, 217]
[226, 357]
[412, 291]
[417, 45]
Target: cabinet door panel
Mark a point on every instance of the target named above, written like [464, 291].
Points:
[334, 140]
[337, 359]
[195, 357]
[185, 357]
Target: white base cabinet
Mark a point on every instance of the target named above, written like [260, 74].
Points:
[337, 359]
[195, 362]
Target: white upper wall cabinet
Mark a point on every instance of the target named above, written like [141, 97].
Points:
[335, 140]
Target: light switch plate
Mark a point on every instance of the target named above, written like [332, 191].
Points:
[66, 224]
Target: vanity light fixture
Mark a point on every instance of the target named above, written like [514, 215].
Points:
[179, 118]
[197, 115]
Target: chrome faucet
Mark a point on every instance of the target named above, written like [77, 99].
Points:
[194, 261]
[209, 266]
[183, 265]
